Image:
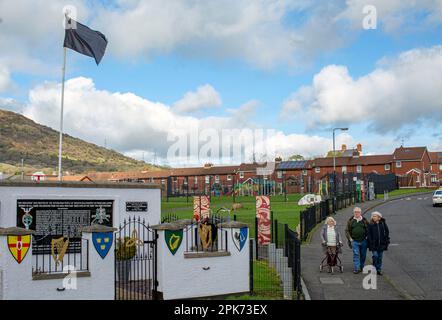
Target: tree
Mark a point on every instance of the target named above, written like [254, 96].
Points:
[296, 157]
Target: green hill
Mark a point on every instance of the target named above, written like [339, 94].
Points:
[22, 138]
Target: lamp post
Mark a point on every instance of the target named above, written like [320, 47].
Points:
[334, 159]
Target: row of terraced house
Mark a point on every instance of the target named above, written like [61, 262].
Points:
[413, 166]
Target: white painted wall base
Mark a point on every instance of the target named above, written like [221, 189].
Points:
[182, 278]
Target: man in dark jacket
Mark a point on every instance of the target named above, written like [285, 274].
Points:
[378, 239]
[356, 233]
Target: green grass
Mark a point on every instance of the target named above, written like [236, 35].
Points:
[405, 191]
[266, 284]
[284, 212]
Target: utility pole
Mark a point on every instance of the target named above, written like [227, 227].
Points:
[334, 158]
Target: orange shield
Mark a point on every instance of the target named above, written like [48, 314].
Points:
[19, 246]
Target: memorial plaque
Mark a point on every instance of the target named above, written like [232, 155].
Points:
[57, 218]
[136, 206]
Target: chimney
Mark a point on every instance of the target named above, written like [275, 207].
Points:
[278, 159]
[359, 147]
[344, 147]
[208, 165]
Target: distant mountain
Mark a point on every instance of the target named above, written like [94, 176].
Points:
[22, 138]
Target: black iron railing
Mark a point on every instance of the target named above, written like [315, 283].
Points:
[59, 255]
[268, 272]
[207, 235]
[317, 213]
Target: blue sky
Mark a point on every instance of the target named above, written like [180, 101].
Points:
[241, 67]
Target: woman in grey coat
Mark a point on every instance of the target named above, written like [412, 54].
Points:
[331, 241]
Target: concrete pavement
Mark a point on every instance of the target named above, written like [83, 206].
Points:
[397, 283]
[414, 260]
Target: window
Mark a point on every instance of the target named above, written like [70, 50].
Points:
[163, 181]
[440, 167]
[241, 175]
[279, 174]
[317, 169]
[387, 167]
[398, 164]
[195, 180]
[217, 179]
[358, 168]
[304, 172]
[175, 179]
[185, 181]
[207, 179]
[344, 169]
[229, 177]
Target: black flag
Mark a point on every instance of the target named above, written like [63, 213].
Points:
[89, 42]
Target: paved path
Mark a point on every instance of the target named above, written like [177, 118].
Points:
[347, 286]
[414, 260]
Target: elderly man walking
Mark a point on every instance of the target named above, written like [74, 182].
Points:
[356, 233]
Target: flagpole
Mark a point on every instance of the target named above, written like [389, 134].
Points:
[60, 146]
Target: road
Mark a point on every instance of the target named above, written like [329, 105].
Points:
[413, 262]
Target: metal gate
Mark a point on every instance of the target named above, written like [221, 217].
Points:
[135, 261]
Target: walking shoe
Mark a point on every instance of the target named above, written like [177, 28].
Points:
[356, 271]
[379, 273]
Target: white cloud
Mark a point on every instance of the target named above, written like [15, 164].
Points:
[401, 90]
[204, 97]
[265, 34]
[5, 80]
[134, 125]
[395, 15]
[29, 32]
[249, 30]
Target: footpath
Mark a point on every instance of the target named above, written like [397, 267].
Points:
[346, 285]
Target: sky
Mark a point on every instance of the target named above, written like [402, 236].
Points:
[276, 75]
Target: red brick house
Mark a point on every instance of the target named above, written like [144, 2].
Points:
[413, 166]
[436, 168]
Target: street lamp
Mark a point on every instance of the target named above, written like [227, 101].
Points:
[334, 158]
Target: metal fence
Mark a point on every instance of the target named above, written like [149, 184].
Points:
[206, 235]
[275, 268]
[61, 255]
[317, 213]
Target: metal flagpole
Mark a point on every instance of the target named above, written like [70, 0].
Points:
[60, 147]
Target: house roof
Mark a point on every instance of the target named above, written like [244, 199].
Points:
[202, 171]
[248, 167]
[372, 159]
[292, 165]
[71, 178]
[409, 153]
[351, 161]
[180, 172]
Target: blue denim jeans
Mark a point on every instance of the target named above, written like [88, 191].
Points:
[359, 253]
[377, 259]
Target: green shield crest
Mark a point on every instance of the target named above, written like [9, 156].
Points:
[173, 239]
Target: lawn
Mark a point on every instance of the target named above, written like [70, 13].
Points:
[404, 191]
[284, 212]
[266, 284]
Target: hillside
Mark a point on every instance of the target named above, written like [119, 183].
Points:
[22, 138]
